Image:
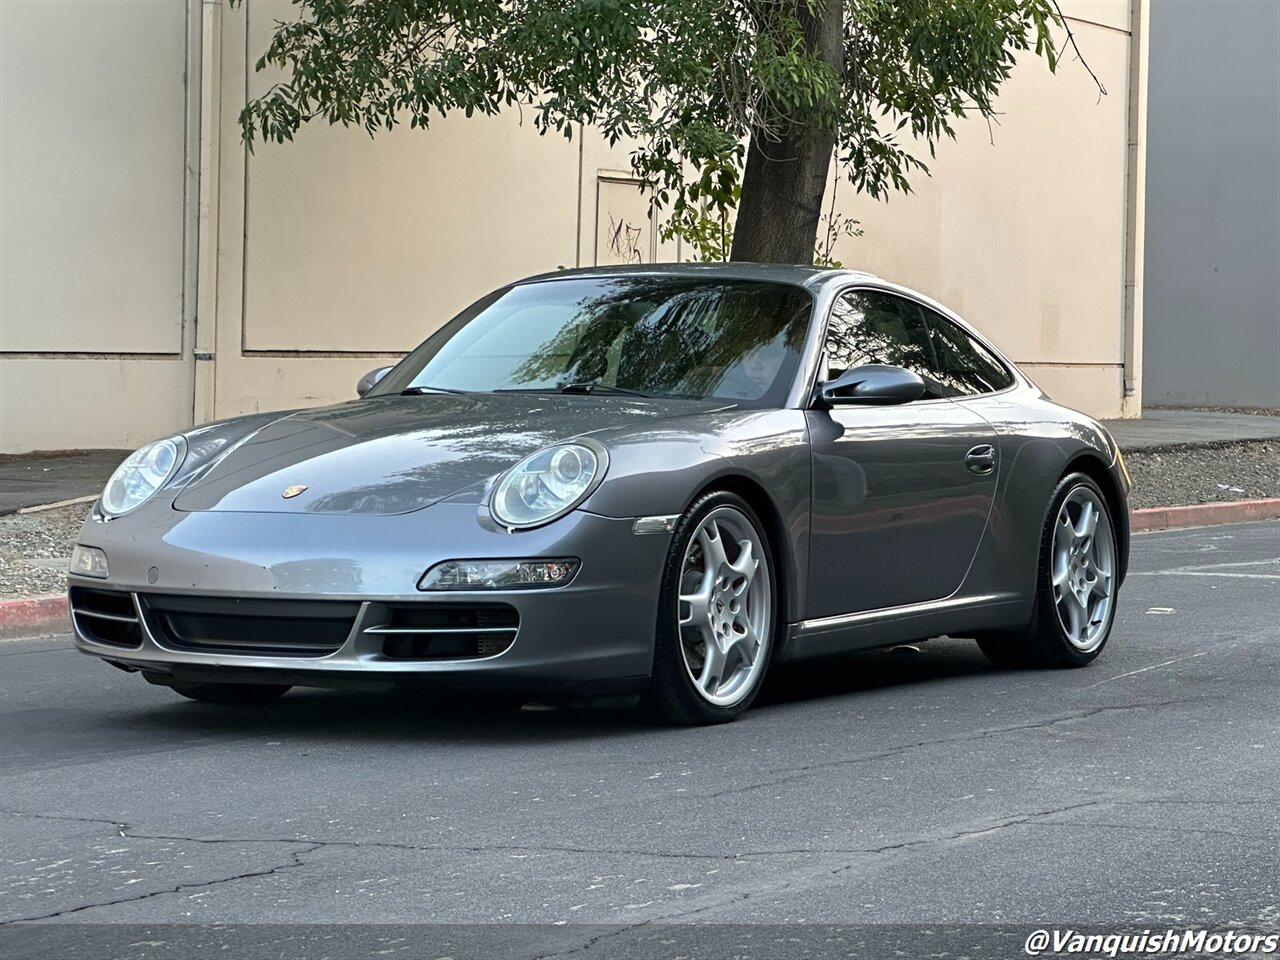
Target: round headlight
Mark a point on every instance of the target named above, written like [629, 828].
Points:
[140, 476]
[547, 484]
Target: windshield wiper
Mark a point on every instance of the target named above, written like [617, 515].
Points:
[420, 391]
[592, 387]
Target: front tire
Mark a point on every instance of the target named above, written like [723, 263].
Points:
[1076, 584]
[232, 692]
[717, 614]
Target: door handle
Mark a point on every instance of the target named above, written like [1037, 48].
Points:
[981, 459]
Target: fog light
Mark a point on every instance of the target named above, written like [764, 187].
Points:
[498, 574]
[88, 562]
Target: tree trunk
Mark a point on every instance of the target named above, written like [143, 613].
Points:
[786, 173]
[782, 191]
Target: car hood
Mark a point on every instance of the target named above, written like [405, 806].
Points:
[398, 454]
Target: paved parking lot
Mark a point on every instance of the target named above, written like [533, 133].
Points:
[886, 788]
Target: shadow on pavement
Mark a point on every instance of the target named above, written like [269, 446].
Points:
[942, 659]
[408, 716]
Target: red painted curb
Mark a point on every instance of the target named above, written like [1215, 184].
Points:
[29, 618]
[1205, 514]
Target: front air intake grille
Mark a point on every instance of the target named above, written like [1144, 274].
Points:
[106, 616]
[446, 631]
[268, 628]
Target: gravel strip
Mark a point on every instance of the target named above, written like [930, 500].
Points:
[1172, 477]
[35, 548]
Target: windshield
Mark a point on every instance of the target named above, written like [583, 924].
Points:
[736, 340]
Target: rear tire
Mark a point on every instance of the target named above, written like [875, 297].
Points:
[717, 614]
[1076, 583]
[232, 692]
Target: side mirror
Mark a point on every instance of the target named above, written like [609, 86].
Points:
[874, 383]
[370, 380]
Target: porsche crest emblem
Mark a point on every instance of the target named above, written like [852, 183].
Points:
[291, 492]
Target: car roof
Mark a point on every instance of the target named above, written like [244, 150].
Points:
[797, 275]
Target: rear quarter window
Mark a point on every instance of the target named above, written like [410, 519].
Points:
[966, 367]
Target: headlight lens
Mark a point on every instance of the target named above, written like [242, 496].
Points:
[547, 484]
[139, 477]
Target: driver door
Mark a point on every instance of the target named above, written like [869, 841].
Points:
[902, 493]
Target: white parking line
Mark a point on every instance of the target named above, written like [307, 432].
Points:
[1154, 666]
[1204, 573]
[1274, 561]
[1216, 570]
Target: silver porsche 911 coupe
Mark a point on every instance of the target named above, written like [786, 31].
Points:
[655, 480]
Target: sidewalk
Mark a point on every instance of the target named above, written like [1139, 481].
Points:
[1164, 428]
[34, 479]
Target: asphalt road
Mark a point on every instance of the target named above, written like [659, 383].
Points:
[891, 788]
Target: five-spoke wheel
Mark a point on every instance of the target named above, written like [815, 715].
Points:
[716, 620]
[725, 607]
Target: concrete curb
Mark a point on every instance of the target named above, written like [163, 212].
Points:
[1205, 514]
[42, 507]
[33, 617]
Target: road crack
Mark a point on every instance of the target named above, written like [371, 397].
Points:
[822, 875]
[806, 770]
[124, 830]
[303, 846]
[295, 861]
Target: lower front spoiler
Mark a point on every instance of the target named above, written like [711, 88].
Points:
[303, 617]
[568, 642]
[560, 647]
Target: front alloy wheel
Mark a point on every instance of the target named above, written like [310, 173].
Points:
[717, 615]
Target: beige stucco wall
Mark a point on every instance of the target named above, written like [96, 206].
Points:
[1021, 227]
[322, 258]
[93, 114]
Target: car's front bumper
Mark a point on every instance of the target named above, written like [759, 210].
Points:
[594, 633]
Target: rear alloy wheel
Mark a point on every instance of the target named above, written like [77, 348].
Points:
[716, 616]
[1076, 586]
[232, 692]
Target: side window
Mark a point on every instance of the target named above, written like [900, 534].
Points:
[967, 367]
[872, 327]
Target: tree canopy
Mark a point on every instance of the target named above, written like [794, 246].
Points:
[727, 104]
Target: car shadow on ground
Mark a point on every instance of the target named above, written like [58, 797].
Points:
[411, 715]
[906, 665]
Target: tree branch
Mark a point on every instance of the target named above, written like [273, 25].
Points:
[1071, 40]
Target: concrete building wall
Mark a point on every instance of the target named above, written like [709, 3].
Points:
[1213, 206]
[94, 276]
[1022, 227]
[320, 259]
